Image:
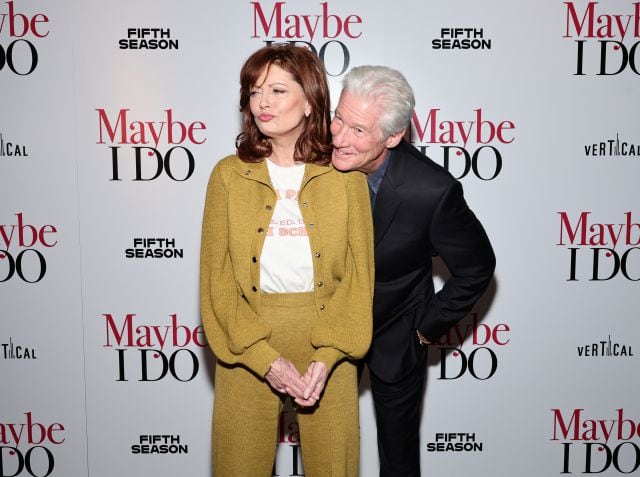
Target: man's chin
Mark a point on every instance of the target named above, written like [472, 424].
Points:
[341, 164]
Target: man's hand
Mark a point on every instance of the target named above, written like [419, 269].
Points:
[421, 339]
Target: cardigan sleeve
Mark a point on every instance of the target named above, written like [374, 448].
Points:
[345, 326]
[234, 332]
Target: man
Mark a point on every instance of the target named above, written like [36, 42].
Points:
[418, 211]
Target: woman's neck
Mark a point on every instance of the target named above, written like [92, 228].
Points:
[282, 153]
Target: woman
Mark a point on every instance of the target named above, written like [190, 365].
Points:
[286, 275]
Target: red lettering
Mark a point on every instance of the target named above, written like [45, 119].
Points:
[196, 125]
[266, 26]
[151, 335]
[176, 329]
[500, 328]
[490, 334]
[199, 337]
[298, 26]
[476, 328]
[43, 231]
[126, 328]
[28, 235]
[453, 132]
[481, 334]
[20, 25]
[594, 429]
[176, 131]
[355, 19]
[30, 431]
[21, 233]
[431, 120]
[601, 234]
[630, 226]
[581, 226]
[326, 17]
[37, 433]
[12, 22]
[495, 131]
[565, 428]
[34, 27]
[578, 25]
[633, 427]
[610, 25]
[111, 130]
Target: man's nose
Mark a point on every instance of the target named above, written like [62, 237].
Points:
[338, 135]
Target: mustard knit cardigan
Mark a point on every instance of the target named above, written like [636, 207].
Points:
[337, 213]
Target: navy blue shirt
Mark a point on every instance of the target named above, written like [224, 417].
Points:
[375, 178]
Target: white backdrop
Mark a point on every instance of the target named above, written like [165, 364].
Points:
[101, 352]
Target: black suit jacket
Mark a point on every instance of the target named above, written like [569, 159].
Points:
[420, 211]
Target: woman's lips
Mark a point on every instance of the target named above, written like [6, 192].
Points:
[265, 117]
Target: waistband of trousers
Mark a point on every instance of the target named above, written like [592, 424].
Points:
[288, 299]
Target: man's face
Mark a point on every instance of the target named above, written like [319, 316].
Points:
[357, 139]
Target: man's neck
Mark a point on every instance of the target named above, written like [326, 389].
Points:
[377, 163]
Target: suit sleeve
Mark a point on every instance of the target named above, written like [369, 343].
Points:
[462, 243]
[234, 332]
[345, 326]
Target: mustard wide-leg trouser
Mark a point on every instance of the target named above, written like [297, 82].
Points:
[246, 409]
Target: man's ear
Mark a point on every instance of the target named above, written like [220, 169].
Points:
[394, 139]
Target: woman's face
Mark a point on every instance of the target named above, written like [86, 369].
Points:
[278, 104]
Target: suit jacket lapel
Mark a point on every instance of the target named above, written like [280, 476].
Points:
[388, 200]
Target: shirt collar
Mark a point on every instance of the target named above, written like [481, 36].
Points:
[375, 178]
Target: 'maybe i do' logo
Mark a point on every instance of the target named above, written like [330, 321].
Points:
[26, 447]
[18, 54]
[607, 42]
[325, 30]
[594, 446]
[162, 350]
[480, 362]
[600, 251]
[465, 146]
[145, 161]
[21, 249]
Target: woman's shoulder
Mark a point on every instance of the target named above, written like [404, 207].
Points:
[229, 162]
[222, 169]
[350, 177]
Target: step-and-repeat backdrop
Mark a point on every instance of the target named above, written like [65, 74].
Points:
[112, 116]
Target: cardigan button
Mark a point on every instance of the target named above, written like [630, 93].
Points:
[247, 172]
[320, 284]
[254, 259]
[305, 203]
[322, 307]
[254, 289]
[260, 230]
[317, 254]
[268, 207]
[312, 225]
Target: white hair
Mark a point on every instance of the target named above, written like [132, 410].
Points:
[389, 89]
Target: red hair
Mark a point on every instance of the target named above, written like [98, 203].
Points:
[314, 143]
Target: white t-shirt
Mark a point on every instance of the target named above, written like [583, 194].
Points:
[286, 264]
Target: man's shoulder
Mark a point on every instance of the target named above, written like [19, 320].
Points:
[420, 168]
